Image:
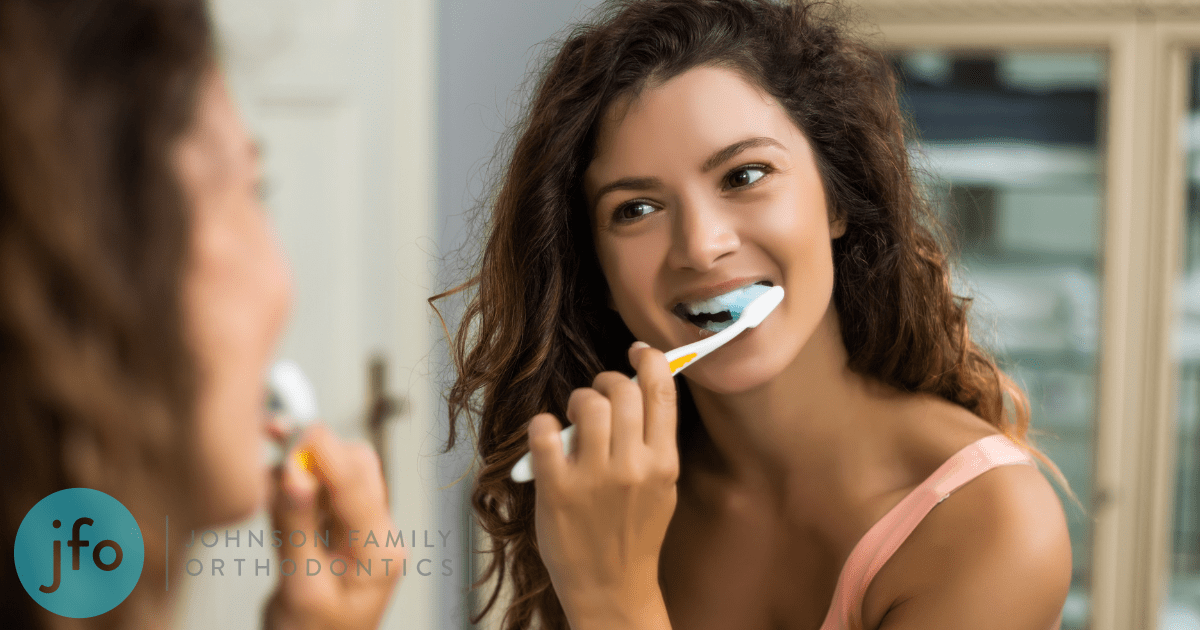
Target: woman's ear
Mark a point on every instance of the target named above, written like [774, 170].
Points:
[837, 227]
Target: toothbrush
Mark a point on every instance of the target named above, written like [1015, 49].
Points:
[291, 400]
[677, 359]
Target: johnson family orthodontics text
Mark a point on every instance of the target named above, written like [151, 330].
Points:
[415, 542]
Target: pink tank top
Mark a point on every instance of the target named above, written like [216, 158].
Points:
[886, 535]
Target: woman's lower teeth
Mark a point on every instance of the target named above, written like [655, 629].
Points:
[715, 322]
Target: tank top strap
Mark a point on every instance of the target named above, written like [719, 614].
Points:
[883, 538]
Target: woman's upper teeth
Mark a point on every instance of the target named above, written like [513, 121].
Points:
[732, 300]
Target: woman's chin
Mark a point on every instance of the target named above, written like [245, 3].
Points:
[234, 502]
[729, 380]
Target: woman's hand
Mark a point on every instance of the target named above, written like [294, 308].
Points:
[603, 512]
[328, 484]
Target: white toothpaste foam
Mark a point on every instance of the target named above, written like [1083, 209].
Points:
[733, 302]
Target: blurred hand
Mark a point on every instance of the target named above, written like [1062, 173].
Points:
[602, 513]
[329, 484]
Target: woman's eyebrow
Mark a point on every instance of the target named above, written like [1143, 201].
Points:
[722, 156]
[627, 183]
[715, 160]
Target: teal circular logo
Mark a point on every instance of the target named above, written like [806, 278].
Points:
[79, 552]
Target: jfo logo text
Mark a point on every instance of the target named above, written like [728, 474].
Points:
[79, 552]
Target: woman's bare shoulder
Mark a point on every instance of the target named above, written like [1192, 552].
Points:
[997, 544]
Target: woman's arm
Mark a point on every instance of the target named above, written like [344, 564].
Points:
[640, 609]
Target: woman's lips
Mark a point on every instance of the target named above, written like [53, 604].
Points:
[721, 288]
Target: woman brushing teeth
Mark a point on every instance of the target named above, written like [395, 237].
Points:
[679, 158]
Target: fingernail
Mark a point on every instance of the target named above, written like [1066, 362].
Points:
[637, 345]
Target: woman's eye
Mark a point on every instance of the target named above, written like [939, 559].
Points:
[745, 176]
[632, 211]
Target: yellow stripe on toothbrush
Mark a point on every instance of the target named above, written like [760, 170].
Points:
[678, 364]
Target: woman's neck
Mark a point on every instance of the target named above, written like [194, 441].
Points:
[148, 607]
[809, 428]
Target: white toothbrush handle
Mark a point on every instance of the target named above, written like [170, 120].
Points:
[523, 470]
[750, 318]
[701, 348]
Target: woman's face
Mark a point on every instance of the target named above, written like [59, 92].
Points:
[699, 186]
[236, 299]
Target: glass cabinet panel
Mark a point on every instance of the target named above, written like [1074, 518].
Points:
[1012, 149]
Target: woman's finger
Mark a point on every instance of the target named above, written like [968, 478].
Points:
[591, 414]
[658, 397]
[353, 477]
[628, 431]
[329, 489]
[545, 447]
[295, 508]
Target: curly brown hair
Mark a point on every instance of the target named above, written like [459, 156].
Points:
[96, 381]
[537, 325]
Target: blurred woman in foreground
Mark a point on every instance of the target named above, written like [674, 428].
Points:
[142, 292]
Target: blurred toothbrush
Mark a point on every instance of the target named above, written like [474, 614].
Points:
[292, 402]
[677, 359]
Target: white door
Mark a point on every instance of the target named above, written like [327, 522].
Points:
[340, 95]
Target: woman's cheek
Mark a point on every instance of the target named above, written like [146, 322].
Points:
[232, 335]
[276, 277]
[631, 285]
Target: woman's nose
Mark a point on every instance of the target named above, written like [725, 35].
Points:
[703, 234]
